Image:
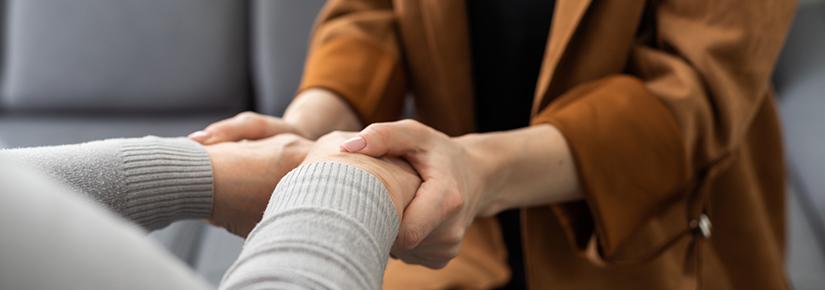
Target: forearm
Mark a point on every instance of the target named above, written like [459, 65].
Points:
[151, 181]
[523, 168]
[328, 226]
[316, 112]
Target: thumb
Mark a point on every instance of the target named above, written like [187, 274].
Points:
[389, 139]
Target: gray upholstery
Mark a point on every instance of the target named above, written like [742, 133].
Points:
[181, 239]
[282, 30]
[20, 130]
[160, 67]
[802, 57]
[126, 55]
[805, 263]
[216, 253]
[800, 85]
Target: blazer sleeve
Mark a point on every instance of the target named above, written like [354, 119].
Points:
[354, 52]
[643, 141]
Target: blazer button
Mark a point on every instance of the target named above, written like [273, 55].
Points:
[703, 226]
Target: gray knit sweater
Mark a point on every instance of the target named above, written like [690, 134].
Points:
[327, 226]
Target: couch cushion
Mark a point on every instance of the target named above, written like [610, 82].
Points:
[218, 250]
[800, 82]
[126, 55]
[803, 57]
[24, 130]
[805, 263]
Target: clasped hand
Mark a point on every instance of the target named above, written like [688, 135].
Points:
[451, 194]
[245, 174]
[431, 179]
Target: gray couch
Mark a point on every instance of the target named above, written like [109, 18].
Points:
[82, 70]
[800, 85]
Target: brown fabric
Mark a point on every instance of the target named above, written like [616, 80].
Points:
[358, 36]
[478, 265]
[667, 107]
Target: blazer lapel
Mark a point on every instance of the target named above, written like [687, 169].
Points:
[566, 18]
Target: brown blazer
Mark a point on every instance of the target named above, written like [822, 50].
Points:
[667, 106]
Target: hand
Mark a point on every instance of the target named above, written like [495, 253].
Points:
[449, 198]
[244, 126]
[245, 174]
[312, 114]
[398, 177]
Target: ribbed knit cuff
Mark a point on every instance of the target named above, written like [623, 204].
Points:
[165, 180]
[349, 190]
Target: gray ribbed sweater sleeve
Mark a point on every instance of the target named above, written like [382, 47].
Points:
[328, 226]
[151, 181]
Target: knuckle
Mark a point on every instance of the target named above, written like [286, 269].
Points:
[413, 125]
[253, 121]
[247, 115]
[215, 127]
[377, 131]
[455, 236]
[454, 201]
[410, 239]
[409, 123]
[453, 252]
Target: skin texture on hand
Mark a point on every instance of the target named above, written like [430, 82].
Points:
[448, 199]
[469, 176]
[312, 114]
[318, 112]
[244, 126]
[400, 179]
[527, 167]
[245, 174]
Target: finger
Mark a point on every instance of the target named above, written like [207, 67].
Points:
[435, 259]
[246, 125]
[434, 252]
[200, 136]
[410, 259]
[430, 260]
[394, 139]
[421, 216]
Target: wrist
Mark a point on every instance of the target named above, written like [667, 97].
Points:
[316, 112]
[215, 155]
[400, 185]
[297, 120]
[520, 168]
[238, 197]
[487, 164]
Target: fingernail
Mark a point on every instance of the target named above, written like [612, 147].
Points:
[199, 136]
[354, 144]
